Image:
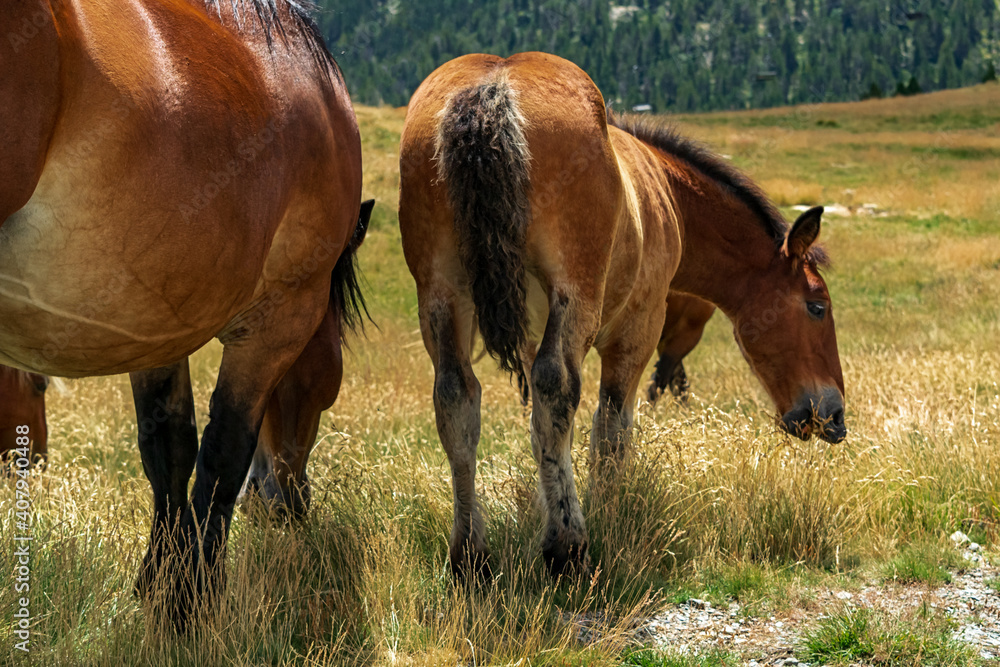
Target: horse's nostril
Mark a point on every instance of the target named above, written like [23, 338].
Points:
[837, 417]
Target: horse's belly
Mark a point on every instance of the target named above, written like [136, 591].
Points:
[81, 295]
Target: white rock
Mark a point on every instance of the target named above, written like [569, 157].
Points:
[844, 595]
[958, 537]
[974, 547]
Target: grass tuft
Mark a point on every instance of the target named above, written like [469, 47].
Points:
[922, 564]
[872, 637]
[654, 658]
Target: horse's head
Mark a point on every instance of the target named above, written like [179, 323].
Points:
[785, 330]
[22, 412]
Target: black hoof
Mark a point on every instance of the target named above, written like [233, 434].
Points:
[471, 566]
[565, 560]
[679, 385]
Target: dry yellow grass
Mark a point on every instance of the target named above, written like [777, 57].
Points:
[365, 580]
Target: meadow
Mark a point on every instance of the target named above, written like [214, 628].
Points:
[714, 502]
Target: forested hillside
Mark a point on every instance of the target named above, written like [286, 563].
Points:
[679, 55]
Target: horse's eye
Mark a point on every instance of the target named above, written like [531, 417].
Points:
[816, 309]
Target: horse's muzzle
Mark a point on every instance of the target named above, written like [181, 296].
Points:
[817, 415]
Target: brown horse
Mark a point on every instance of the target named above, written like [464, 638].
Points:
[682, 330]
[174, 171]
[526, 216]
[22, 413]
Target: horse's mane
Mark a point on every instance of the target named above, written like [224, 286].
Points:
[297, 20]
[668, 139]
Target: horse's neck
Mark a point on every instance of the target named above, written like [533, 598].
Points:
[724, 248]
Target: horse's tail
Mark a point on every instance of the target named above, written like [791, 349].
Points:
[345, 283]
[483, 160]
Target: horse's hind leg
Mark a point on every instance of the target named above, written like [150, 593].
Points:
[555, 384]
[168, 445]
[447, 328]
[288, 433]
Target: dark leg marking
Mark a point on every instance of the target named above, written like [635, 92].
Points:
[168, 445]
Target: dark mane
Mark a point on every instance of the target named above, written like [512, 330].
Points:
[666, 138]
[295, 20]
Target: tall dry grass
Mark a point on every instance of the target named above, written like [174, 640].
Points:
[706, 489]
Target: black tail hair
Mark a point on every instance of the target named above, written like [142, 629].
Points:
[345, 283]
[484, 161]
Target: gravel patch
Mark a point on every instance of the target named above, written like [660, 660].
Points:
[697, 626]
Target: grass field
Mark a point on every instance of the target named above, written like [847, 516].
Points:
[714, 503]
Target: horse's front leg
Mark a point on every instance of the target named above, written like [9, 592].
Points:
[254, 360]
[168, 445]
[624, 355]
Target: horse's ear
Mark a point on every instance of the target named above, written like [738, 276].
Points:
[803, 233]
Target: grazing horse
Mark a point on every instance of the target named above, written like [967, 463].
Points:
[278, 472]
[528, 217]
[685, 323]
[174, 171]
[22, 404]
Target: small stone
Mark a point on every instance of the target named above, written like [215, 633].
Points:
[958, 537]
[974, 547]
[699, 604]
[844, 595]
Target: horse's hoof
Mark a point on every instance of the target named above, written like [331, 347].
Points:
[281, 504]
[565, 560]
[471, 566]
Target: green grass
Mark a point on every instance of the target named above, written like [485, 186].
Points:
[875, 638]
[654, 658]
[922, 564]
